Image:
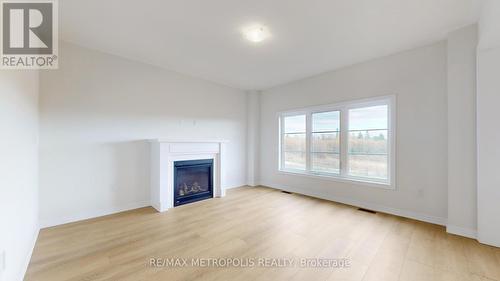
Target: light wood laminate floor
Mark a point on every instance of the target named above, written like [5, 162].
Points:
[252, 223]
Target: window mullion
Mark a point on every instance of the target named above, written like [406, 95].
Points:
[344, 130]
[308, 140]
[282, 143]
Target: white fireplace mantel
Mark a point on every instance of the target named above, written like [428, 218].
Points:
[164, 152]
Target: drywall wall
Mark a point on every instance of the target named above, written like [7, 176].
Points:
[18, 171]
[488, 135]
[253, 137]
[462, 180]
[489, 25]
[488, 138]
[418, 79]
[97, 110]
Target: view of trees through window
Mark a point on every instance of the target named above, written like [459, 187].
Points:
[367, 148]
[325, 142]
[294, 142]
[314, 142]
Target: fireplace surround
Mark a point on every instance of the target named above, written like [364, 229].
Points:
[166, 152]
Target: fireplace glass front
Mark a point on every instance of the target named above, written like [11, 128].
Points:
[193, 181]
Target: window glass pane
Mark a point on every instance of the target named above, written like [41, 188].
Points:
[368, 142]
[295, 160]
[325, 162]
[326, 121]
[325, 142]
[294, 124]
[294, 142]
[368, 166]
[368, 118]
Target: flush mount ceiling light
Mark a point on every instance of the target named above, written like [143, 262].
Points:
[256, 33]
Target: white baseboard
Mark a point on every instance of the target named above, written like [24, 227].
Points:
[366, 205]
[156, 206]
[103, 212]
[236, 185]
[28, 256]
[93, 214]
[462, 231]
[489, 240]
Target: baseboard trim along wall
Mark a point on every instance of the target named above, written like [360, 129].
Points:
[103, 212]
[462, 231]
[366, 205]
[452, 229]
[457, 230]
[95, 214]
[27, 260]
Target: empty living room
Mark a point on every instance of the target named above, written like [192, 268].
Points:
[330, 140]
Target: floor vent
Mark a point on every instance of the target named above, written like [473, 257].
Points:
[366, 210]
[287, 192]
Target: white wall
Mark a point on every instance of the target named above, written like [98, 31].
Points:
[488, 115]
[18, 170]
[462, 180]
[418, 78]
[489, 25]
[97, 110]
[253, 137]
[488, 138]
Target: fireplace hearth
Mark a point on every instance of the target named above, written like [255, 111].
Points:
[193, 181]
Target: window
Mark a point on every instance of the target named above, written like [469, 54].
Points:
[294, 142]
[350, 141]
[368, 131]
[325, 142]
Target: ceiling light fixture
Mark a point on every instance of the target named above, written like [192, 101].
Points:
[256, 34]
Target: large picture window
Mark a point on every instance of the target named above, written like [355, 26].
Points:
[352, 141]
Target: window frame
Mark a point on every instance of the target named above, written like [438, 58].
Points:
[343, 108]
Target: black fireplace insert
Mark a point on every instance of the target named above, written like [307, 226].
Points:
[193, 181]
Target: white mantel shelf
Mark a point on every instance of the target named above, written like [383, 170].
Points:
[164, 152]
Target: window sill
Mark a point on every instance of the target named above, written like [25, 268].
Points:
[362, 182]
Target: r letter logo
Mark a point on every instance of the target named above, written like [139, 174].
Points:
[29, 34]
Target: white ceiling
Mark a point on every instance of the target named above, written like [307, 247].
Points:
[202, 37]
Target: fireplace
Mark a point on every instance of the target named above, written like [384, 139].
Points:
[165, 153]
[193, 181]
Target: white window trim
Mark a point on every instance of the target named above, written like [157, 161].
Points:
[344, 108]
